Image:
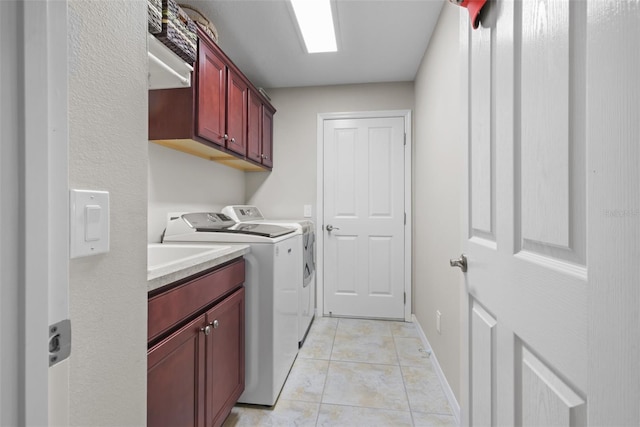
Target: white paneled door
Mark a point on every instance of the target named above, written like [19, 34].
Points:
[535, 211]
[364, 250]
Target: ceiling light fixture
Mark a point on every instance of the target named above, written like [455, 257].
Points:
[315, 21]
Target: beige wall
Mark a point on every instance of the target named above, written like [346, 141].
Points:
[180, 182]
[108, 151]
[283, 192]
[437, 194]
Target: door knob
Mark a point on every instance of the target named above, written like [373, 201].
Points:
[330, 228]
[459, 262]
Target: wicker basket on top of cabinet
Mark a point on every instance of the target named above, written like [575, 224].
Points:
[178, 31]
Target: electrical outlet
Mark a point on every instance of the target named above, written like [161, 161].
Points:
[438, 316]
[307, 211]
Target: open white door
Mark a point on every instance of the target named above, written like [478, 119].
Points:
[364, 217]
[538, 178]
[526, 246]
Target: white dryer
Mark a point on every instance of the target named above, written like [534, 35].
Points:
[249, 214]
[271, 294]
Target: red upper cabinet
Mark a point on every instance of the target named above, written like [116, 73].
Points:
[211, 88]
[267, 135]
[254, 128]
[236, 113]
[217, 118]
[260, 131]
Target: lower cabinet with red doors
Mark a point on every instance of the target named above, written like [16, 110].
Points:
[195, 360]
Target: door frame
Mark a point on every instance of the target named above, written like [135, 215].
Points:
[36, 193]
[322, 117]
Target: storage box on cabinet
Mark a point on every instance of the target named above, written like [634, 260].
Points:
[178, 31]
[210, 119]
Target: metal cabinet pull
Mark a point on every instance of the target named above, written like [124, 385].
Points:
[206, 330]
[459, 262]
[215, 324]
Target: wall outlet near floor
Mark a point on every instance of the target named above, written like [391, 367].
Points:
[438, 316]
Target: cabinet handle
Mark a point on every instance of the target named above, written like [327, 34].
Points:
[233, 140]
[225, 137]
[206, 330]
[215, 324]
[264, 156]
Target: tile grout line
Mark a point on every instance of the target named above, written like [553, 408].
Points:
[326, 377]
[404, 385]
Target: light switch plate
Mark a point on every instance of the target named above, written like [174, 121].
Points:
[89, 216]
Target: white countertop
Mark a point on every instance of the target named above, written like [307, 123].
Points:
[172, 270]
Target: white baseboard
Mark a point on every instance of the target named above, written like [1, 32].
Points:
[455, 406]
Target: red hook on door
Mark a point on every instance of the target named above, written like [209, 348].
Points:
[474, 7]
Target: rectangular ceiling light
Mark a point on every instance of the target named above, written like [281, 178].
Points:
[316, 24]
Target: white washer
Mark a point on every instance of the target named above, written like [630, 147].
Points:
[271, 304]
[307, 288]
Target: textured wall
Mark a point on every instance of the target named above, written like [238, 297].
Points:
[182, 182]
[292, 184]
[108, 151]
[437, 194]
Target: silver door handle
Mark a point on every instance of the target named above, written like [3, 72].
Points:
[460, 262]
[330, 228]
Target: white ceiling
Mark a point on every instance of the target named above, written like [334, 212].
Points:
[378, 40]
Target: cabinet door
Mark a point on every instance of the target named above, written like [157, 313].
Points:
[236, 113]
[211, 82]
[175, 368]
[225, 357]
[267, 136]
[254, 128]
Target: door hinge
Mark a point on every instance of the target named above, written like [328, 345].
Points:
[405, 298]
[405, 218]
[405, 138]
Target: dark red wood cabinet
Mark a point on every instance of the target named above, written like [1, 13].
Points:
[175, 368]
[267, 135]
[254, 128]
[196, 361]
[225, 356]
[236, 113]
[260, 131]
[211, 86]
[211, 118]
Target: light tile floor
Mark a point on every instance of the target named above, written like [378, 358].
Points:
[354, 372]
